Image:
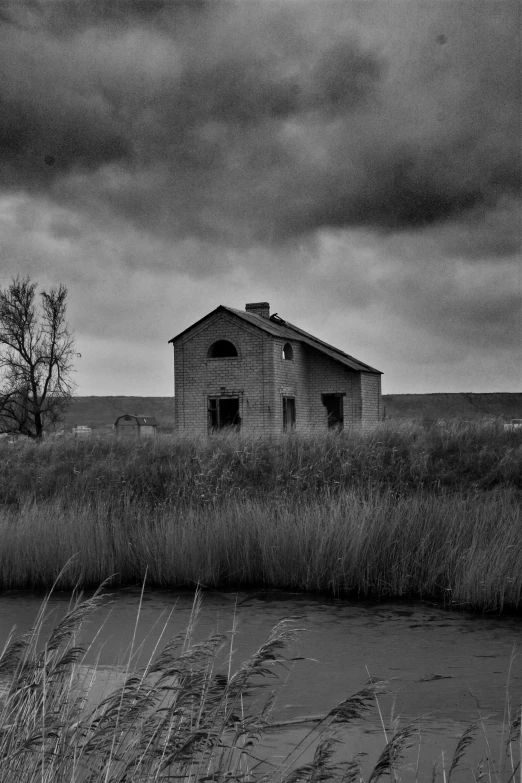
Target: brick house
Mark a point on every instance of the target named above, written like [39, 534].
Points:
[253, 371]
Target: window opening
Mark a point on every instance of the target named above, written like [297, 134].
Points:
[334, 410]
[223, 412]
[288, 351]
[221, 349]
[288, 414]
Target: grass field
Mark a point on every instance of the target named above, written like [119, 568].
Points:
[404, 511]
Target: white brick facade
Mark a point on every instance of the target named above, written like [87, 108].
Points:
[260, 376]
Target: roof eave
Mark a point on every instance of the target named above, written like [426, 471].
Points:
[219, 307]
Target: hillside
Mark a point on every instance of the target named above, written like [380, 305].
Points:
[466, 406]
[102, 412]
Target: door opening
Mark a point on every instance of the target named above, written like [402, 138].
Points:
[223, 412]
[288, 414]
[334, 410]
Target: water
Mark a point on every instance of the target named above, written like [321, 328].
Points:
[441, 666]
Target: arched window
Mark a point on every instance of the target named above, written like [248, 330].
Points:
[221, 349]
[288, 351]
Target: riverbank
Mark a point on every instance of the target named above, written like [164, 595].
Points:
[404, 511]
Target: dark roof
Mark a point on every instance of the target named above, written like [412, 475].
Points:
[148, 421]
[277, 327]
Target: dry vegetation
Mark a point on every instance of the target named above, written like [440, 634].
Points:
[405, 510]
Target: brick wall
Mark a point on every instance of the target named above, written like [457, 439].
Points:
[249, 376]
[371, 399]
[308, 376]
[290, 380]
[329, 377]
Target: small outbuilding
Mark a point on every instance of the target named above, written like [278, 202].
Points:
[136, 426]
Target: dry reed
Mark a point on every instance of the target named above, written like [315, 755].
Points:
[400, 511]
[189, 714]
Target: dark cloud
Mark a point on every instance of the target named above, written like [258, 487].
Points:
[410, 187]
[63, 17]
[259, 123]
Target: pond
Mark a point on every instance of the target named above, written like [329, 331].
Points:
[443, 667]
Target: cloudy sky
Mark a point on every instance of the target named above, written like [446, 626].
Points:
[356, 164]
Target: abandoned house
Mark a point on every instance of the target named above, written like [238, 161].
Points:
[256, 372]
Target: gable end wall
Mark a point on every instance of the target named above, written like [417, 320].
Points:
[249, 376]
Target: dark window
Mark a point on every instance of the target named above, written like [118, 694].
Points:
[288, 414]
[221, 349]
[334, 410]
[288, 352]
[223, 412]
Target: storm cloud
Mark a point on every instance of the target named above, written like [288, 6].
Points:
[262, 122]
[359, 160]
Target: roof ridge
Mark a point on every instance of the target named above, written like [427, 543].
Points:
[299, 331]
[289, 331]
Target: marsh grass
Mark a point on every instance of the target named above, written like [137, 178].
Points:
[412, 511]
[191, 714]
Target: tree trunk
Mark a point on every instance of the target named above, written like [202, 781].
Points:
[38, 426]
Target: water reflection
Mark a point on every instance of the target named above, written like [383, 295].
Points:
[439, 665]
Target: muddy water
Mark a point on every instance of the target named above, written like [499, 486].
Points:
[441, 666]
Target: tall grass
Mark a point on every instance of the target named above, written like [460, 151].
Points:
[189, 714]
[401, 511]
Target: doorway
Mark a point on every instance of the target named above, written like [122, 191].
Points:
[288, 414]
[334, 410]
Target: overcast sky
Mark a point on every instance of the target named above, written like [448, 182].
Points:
[356, 164]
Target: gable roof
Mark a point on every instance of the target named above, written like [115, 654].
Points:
[277, 327]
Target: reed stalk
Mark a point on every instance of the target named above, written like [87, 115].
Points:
[189, 714]
[402, 511]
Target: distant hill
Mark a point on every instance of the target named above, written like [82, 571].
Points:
[466, 406]
[102, 412]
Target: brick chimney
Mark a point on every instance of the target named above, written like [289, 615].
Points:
[258, 308]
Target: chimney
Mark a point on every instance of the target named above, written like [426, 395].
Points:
[259, 308]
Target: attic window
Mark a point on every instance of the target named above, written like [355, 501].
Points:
[288, 352]
[221, 349]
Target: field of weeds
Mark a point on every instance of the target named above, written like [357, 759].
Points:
[404, 510]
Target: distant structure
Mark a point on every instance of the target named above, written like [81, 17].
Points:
[135, 426]
[514, 424]
[253, 371]
[82, 431]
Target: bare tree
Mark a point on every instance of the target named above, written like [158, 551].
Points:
[36, 358]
